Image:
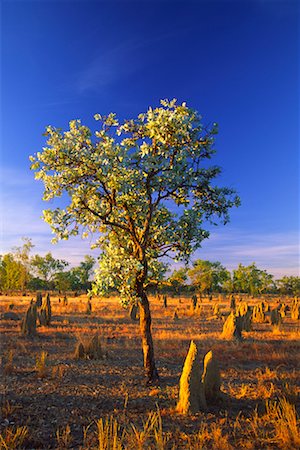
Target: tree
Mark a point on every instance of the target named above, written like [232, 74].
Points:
[63, 281]
[251, 280]
[22, 255]
[178, 278]
[12, 273]
[208, 276]
[144, 186]
[79, 276]
[47, 266]
[289, 285]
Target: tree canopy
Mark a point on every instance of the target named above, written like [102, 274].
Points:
[142, 184]
[252, 280]
[208, 276]
[47, 266]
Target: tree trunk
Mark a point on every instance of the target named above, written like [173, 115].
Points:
[147, 342]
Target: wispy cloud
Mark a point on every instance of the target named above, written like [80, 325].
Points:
[109, 66]
[120, 61]
[276, 252]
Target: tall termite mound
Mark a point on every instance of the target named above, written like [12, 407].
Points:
[45, 313]
[244, 316]
[28, 326]
[191, 389]
[232, 328]
[39, 299]
[295, 309]
[259, 313]
[211, 378]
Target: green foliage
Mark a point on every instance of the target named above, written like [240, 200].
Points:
[78, 277]
[252, 280]
[47, 266]
[289, 285]
[142, 184]
[36, 284]
[22, 255]
[208, 276]
[62, 281]
[178, 279]
[13, 273]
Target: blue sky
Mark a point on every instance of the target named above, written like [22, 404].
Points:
[234, 62]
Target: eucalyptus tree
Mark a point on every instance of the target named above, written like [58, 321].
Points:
[208, 276]
[144, 186]
[178, 279]
[46, 266]
[252, 280]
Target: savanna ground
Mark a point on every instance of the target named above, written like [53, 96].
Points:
[61, 400]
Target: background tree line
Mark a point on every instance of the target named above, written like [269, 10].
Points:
[20, 271]
[206, 277]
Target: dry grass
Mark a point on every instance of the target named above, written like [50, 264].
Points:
[52, 401]
[64, 438]
[13, 438]
[41, 365]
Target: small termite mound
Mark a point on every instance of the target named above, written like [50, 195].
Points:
[194, 301]
[283, 310]
[275, 317]
[79, 351]
[246, 320]
[175, 315]
[89, 349]
[165, 301]
[216, 310]
[133, 314]
[232, 302]
[88, 310]
[10, 315]
[191, 389]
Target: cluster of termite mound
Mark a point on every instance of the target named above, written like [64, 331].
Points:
[198, 388]
[242, 316]
[39, 310]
